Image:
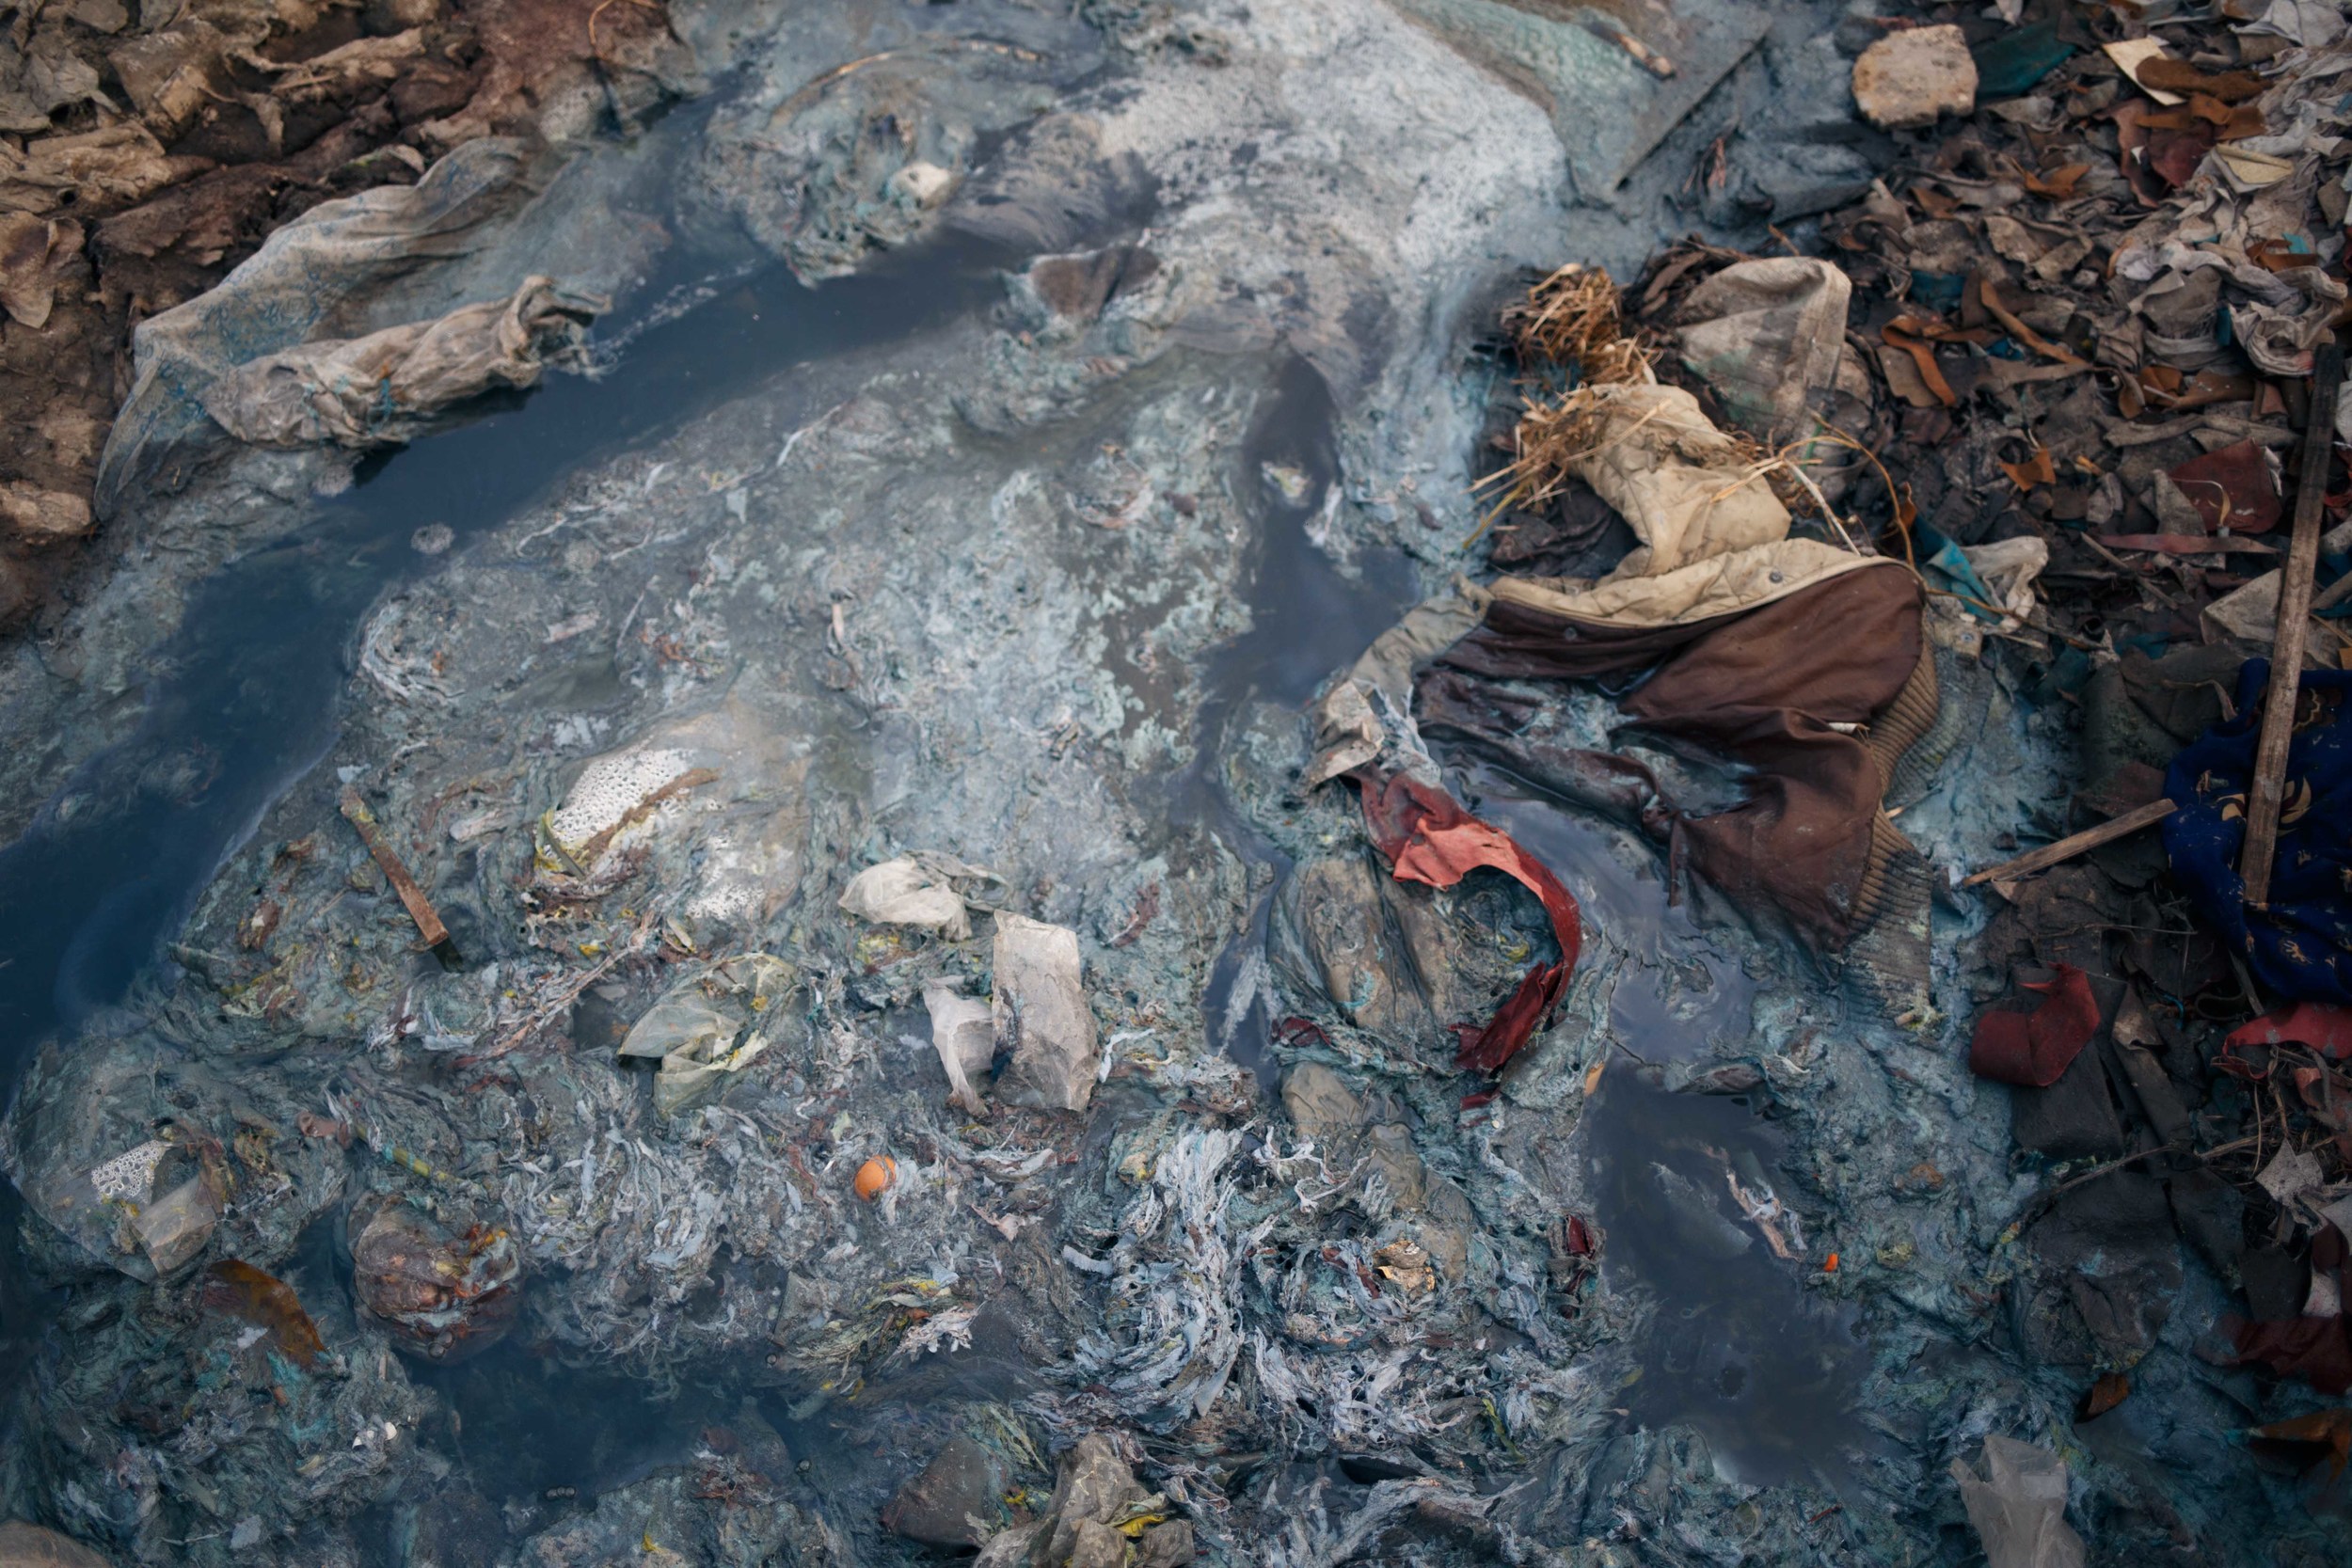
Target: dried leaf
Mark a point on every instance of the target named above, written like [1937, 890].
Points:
[2103, 1396]
[2327, 1431]
[2035, 470]
[241, 1291]
[1923, 357]
[2172, 75]
[2059, 184]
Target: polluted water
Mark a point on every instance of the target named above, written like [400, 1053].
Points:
[811, 793]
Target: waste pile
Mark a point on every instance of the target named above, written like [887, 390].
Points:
[1161, 923]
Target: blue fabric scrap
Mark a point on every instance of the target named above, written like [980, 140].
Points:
[2299, 948]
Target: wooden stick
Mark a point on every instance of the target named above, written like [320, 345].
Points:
[2263, 795]
[411, 896]
[2075, 844]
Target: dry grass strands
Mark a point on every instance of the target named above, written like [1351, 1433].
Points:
[1576, 317]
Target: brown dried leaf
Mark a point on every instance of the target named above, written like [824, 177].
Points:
[2103, 1396]
[2058, 185]
[241, 1291]
[2035, 470]
[2172, 75]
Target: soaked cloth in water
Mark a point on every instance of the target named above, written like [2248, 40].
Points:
[1820, 721]
[2297, 946]
[1429, 838]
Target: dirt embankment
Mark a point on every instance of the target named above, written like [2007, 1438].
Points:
[147, 148]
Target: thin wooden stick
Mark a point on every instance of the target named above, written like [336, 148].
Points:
[2263, 796]
[412, 897]
[2075, 844]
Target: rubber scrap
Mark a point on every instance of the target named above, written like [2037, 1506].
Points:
[1429, 838]
[2033, 1049]
[412, 897]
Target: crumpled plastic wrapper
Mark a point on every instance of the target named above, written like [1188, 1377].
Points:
[2018, 1506]
[915, 890]
[716, 1023]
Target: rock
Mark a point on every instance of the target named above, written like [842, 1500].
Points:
[1012, 1549]
[1165, 1545]
[24, 1546]
[925, 184]
[1325, 1109]
[954, 1502]
[2108, 1251]
[1400, 1164]
[1907, 79]
[1077, 287]
[2074, 1118]
[34, 515]
[1094, 1482]
[1041, 1016]
[1320, 1102]
[1095, 1546]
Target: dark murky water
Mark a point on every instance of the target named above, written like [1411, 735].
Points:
[1738, 1349]
[1307, 619]
[241, 703]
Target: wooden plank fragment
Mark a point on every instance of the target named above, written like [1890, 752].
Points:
[412, 897]
[2075, 844]
[2263, 796]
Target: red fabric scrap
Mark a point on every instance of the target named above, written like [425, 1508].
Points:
[2317, 1350]
[2325, 1027]
[2033, 1049]
[1429, 838]
[2233, 489]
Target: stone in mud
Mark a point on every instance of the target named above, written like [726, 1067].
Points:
[1041, 1016]
[1165, 1545]
[1325, 1109]
[1349, 948]
[1092, 1545]
[2074, 1118]
[1012, 1549]
[24, 1546]
[36, 516]
[953, 1502]
[2107, 1251]
[1078, 287]
[1094, 1482]
[1907, 79]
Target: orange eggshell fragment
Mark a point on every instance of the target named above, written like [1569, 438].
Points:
[875, 1174]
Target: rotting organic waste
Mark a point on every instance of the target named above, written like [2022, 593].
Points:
[614, 1003]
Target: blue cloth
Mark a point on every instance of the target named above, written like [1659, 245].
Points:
[2301, 948]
